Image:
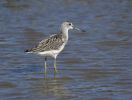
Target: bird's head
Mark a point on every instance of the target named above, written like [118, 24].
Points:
[68, 25]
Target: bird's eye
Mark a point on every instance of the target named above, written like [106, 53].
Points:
[69, 24]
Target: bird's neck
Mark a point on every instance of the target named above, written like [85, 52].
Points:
[65, 33]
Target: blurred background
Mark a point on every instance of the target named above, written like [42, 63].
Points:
[95, 65]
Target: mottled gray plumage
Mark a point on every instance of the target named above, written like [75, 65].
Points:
[51, 43]
[52, 46]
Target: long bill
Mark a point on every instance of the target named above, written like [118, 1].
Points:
[79, 29]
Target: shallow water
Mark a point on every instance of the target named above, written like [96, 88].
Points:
[95, 65]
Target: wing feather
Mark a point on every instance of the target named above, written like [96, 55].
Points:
[51, 43]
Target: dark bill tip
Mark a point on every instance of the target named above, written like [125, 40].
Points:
[79, 29]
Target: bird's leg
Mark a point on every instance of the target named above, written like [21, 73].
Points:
[55, 69]
[45, 65]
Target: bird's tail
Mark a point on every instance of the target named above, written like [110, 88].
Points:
[28, 51]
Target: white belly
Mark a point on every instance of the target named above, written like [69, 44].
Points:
[52, 53]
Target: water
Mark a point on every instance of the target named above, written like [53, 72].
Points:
[95, 65]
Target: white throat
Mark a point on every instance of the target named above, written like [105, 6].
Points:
[65, 32]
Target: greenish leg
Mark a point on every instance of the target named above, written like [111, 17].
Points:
[55, 69]
[45, 66]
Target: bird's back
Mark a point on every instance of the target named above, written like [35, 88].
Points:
[54, 42]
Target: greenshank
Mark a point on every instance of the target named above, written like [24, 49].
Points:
[53, 45]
